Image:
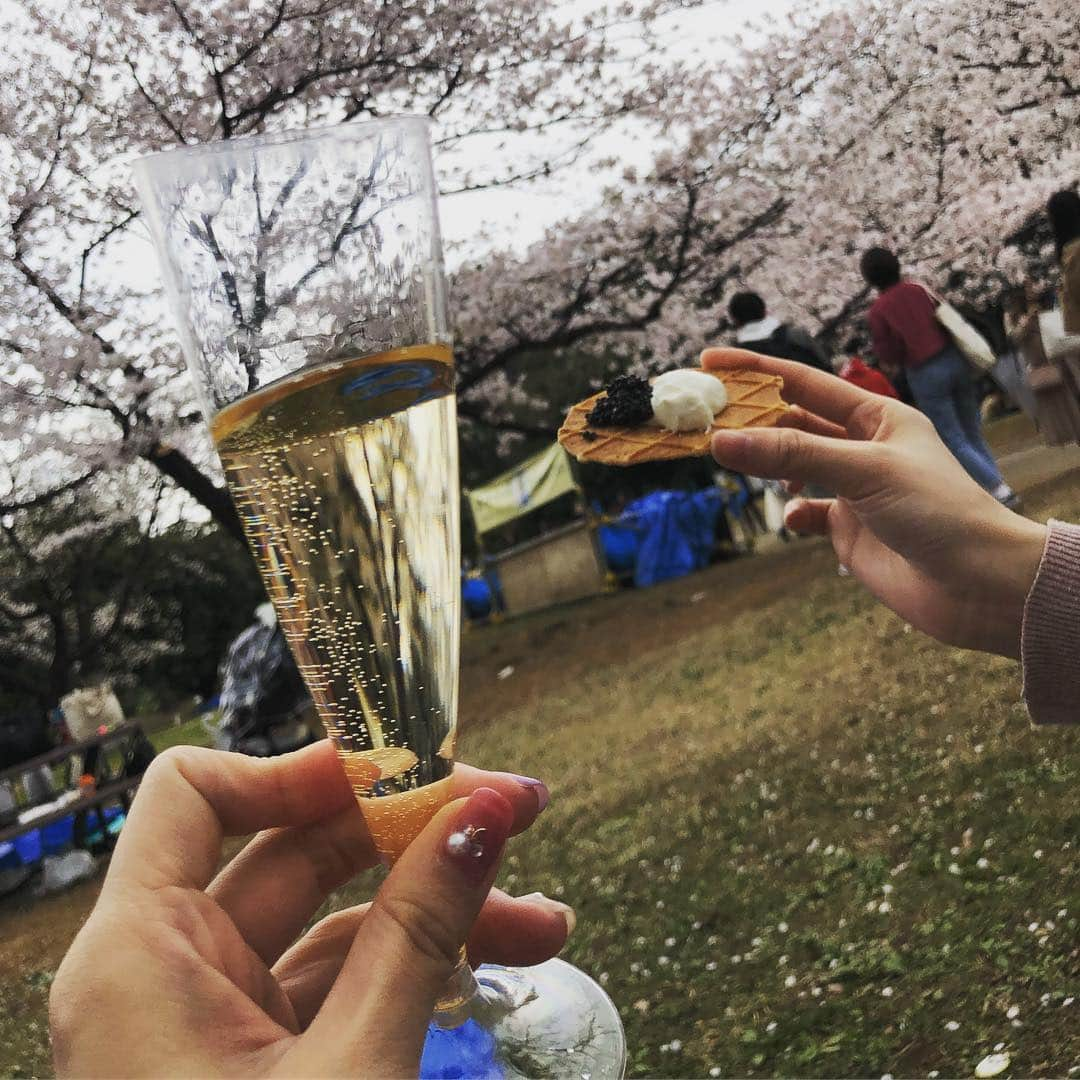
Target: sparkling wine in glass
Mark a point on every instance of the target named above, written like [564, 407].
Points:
[305, 275]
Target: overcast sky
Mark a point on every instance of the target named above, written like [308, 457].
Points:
[517, 217]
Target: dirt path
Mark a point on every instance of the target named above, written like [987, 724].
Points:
[621, 628]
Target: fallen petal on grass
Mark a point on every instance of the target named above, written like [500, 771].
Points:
[992, 1065]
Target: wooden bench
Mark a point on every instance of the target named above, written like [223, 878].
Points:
[110, 756]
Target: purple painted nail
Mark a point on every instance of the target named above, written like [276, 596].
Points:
[539, 788]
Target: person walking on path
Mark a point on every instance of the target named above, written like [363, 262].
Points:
[907, 336]
[1063, 209]
[760, 332]
[1053, 389]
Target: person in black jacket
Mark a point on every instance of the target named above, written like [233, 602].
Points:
[759, 332]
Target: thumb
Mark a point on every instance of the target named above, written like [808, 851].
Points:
[409, 944]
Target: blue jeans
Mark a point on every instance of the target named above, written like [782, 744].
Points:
[945, 391]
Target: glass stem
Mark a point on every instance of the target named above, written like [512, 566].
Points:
[454, 1007]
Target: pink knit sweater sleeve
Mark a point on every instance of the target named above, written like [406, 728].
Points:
[1050, 641]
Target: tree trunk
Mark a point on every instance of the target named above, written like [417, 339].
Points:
[185, 474]
[61, 675]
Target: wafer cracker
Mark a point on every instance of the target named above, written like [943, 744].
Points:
[753, 401]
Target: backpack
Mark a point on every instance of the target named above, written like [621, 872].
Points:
[798, 345]
[790, 343]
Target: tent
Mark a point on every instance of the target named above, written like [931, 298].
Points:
[562, 565]
[535, 482]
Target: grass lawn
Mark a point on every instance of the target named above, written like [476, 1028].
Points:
[189, 733]
[802, 840]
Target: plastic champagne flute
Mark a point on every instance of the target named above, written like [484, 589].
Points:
[305, 275]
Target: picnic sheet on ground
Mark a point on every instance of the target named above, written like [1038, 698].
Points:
[666, 534]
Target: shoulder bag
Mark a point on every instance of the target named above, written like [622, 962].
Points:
[964, 336]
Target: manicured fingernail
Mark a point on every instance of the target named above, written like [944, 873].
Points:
[479, 831]
[565, 910]
[539, 789]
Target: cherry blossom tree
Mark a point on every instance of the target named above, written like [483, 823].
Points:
[937, 126]
[940, 130]
[91, 378]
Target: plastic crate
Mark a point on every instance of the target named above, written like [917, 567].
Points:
[59, 835]
[28, 847]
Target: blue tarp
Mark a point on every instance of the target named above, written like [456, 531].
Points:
[666, 534]
[621, 543]
[455, 1053]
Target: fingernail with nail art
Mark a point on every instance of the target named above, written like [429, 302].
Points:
[479, 832]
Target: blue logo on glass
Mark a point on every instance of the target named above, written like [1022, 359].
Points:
[385, 380]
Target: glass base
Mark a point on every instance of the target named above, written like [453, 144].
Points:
[551, 1020]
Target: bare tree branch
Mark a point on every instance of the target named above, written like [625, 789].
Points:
[159, 110]
[111, 231]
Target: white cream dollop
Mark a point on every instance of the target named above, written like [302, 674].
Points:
[687, 400]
